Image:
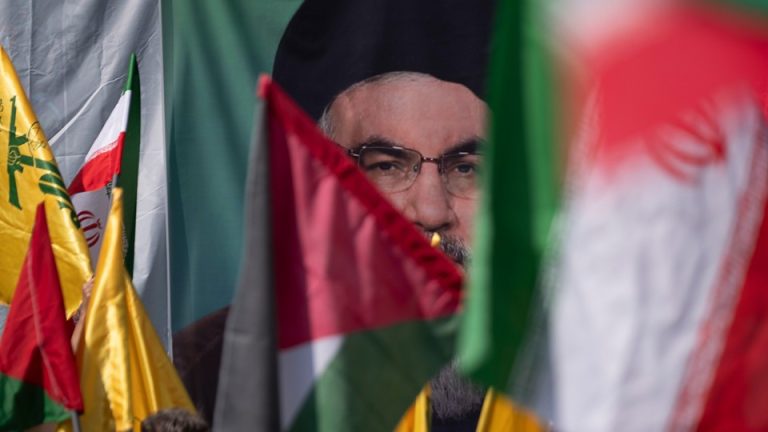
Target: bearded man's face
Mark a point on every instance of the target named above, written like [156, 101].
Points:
[417, 138]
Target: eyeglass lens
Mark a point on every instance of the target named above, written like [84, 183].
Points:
[396, 169]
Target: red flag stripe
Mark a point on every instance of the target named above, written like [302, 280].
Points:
[688, 55]
[99, 170]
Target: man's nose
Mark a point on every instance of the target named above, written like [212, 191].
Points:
[428, 203]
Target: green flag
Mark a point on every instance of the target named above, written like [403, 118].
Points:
[519, 199]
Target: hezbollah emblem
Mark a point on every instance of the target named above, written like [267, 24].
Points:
[50, 182]
[28, 176]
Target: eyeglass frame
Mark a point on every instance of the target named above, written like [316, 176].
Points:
[439, 161]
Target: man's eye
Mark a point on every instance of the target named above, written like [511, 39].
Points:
[465, 168]
[384, 166]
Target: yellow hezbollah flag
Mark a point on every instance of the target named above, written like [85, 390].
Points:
[125, 375]
[28, 173]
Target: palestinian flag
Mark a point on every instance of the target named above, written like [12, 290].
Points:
[91, 187]
[364, 307]
[38, 376]
[29, 173]
[653, 291]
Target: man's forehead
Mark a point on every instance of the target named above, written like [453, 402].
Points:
[399, 91]
[409, 112]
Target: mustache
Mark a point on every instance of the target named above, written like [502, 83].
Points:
[456, 249]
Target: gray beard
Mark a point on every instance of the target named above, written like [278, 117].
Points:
[456, 250]
[453, 396]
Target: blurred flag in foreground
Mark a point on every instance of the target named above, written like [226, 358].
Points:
[28, 172]
[519, 199]
[90, 188]
[653, 292]
[125, 374]
[344, 310]
[38, 376]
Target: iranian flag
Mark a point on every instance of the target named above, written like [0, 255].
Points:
[92, 185]
[649, 310]
[38, 376]
[344, 310]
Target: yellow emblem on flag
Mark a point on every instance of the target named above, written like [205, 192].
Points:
[28, 174]
[125, 374]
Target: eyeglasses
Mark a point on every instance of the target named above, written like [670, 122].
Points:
[394, 169]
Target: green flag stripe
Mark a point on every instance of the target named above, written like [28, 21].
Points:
[129, 166]
[376, 376]
[25, 405]
[519, 200]
[133, 73]
[760, 6]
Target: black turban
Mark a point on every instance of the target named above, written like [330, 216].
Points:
[332, 44]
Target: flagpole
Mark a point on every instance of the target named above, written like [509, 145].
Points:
[111, 187]
[75, 421]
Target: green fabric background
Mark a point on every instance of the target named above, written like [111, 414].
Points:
[213, 54]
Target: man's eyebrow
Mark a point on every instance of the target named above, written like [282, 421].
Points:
[471, 145]
[376, 141]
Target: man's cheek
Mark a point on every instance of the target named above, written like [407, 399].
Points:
[398, 201]
[465, 213]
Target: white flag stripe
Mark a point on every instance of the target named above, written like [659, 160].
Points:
[92, 211]
[115, 125]
[299, 368]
